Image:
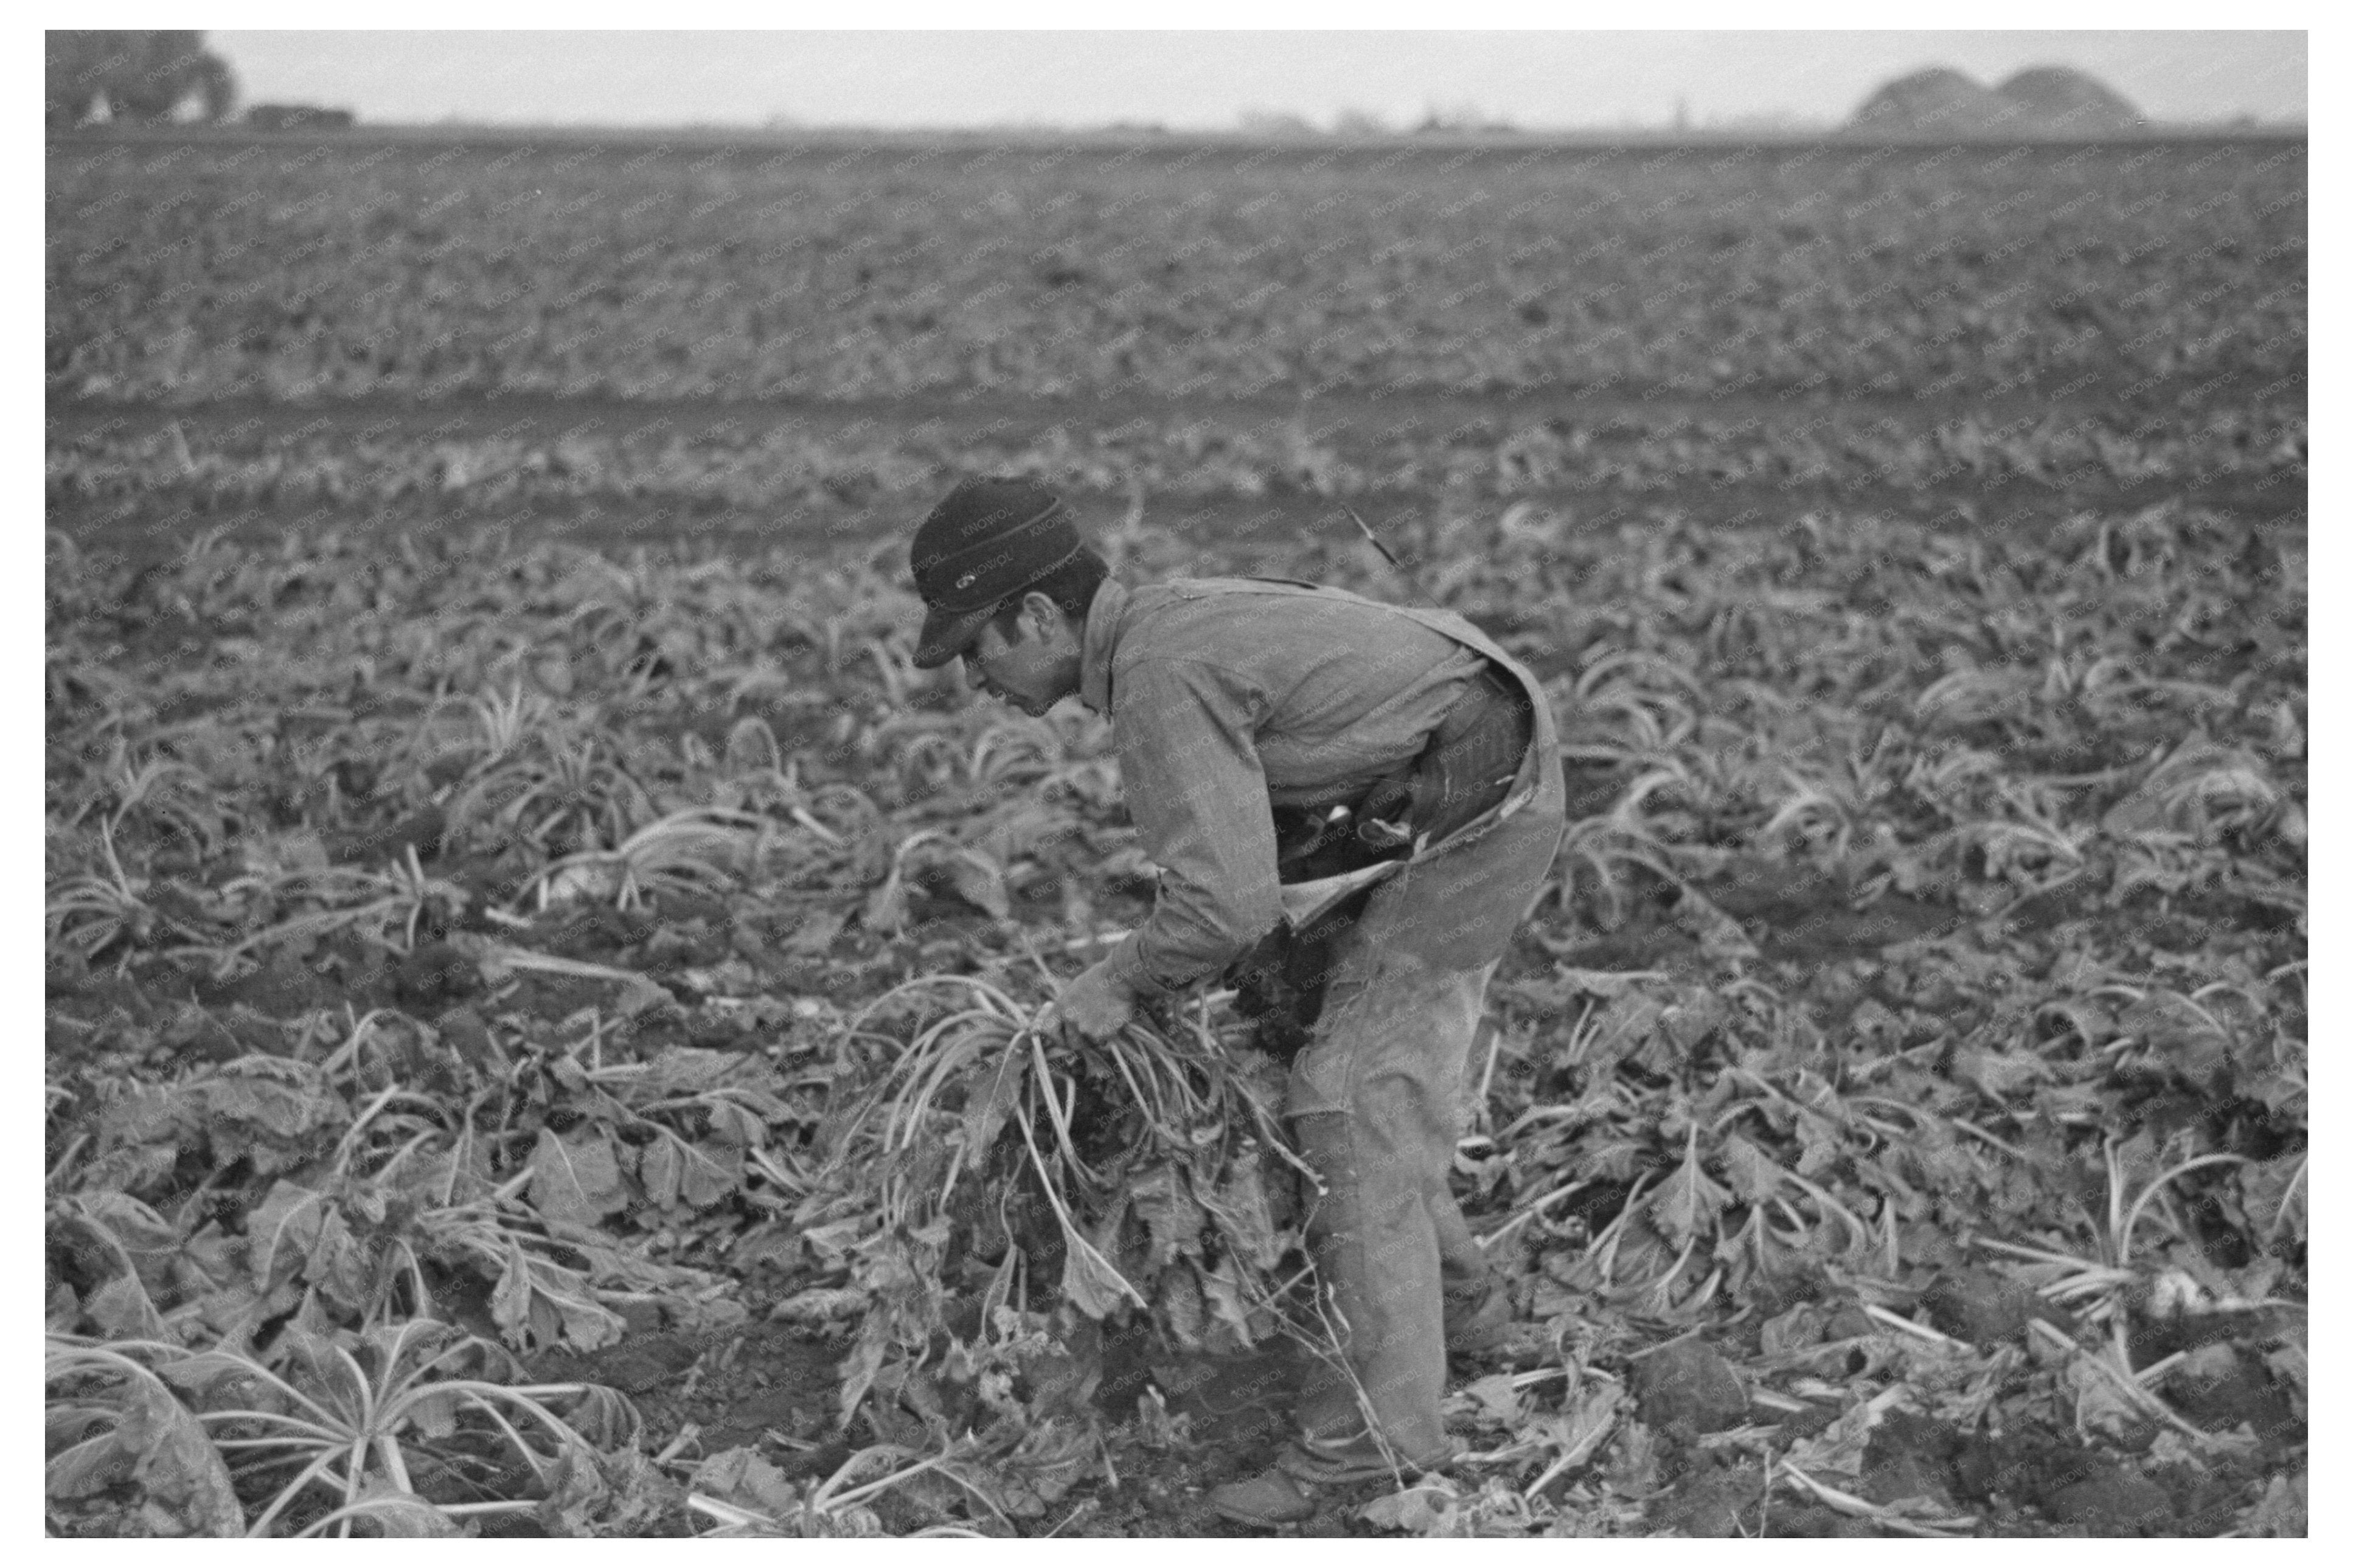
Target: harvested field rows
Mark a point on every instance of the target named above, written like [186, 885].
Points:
[542, 1031]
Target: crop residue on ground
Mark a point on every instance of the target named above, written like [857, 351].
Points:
[544, 999]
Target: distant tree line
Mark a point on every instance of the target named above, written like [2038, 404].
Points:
[1436, 120]
[140, 77]
[297, 116]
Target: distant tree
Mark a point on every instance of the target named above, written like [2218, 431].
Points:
[74, 70]
[2063, 101]
[1358, 122]
[1938, 102]
[1771, 121]
[1274, 122]
[1458, 118]
[139, 77]
[215, 88]
[2052, 102]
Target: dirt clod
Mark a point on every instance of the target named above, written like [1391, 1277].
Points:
[2220, 1387]
[2021, 1470]
[1687, 1389]
[1978, 1305]
[464, 1031]
[1716, 1502]
[2112, 1501]
[1812, 1521]
[1910, 1456]
[434, 972]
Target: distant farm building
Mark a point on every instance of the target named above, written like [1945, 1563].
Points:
[297, 116]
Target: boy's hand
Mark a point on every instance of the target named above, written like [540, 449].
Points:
[1096, 1003]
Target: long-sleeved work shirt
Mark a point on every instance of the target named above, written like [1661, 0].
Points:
[1226, 701]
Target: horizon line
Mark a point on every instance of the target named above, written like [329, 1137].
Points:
[1767, 124]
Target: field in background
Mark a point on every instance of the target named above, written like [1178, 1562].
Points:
[707, 339]
[493, 825]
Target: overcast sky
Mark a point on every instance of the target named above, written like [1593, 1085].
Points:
[1205, 80]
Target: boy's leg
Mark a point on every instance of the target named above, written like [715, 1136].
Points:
[1385, 1234]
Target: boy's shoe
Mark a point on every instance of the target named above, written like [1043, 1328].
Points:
[1285, 1492]
[1271, 1497]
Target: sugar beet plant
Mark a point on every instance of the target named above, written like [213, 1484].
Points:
[1130, 1172]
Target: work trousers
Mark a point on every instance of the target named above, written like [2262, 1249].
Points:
[1389, 1245]
[1375, 1103]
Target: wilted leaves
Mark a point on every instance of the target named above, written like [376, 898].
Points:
[1688, 1203]
[539, 1304]
[1752, 1173]
[1173, 1222]
[675, 1172]
[576, 1178]
[275, 1113]
[145, 1437]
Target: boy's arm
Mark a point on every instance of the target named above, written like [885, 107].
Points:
[1194, 788]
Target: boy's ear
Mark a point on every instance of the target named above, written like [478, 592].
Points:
[1042, 614]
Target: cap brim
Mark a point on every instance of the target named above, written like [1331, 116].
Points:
[947, 632]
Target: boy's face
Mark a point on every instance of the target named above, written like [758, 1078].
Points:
[1032, 673]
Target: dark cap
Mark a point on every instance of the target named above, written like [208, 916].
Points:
[990, 540]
